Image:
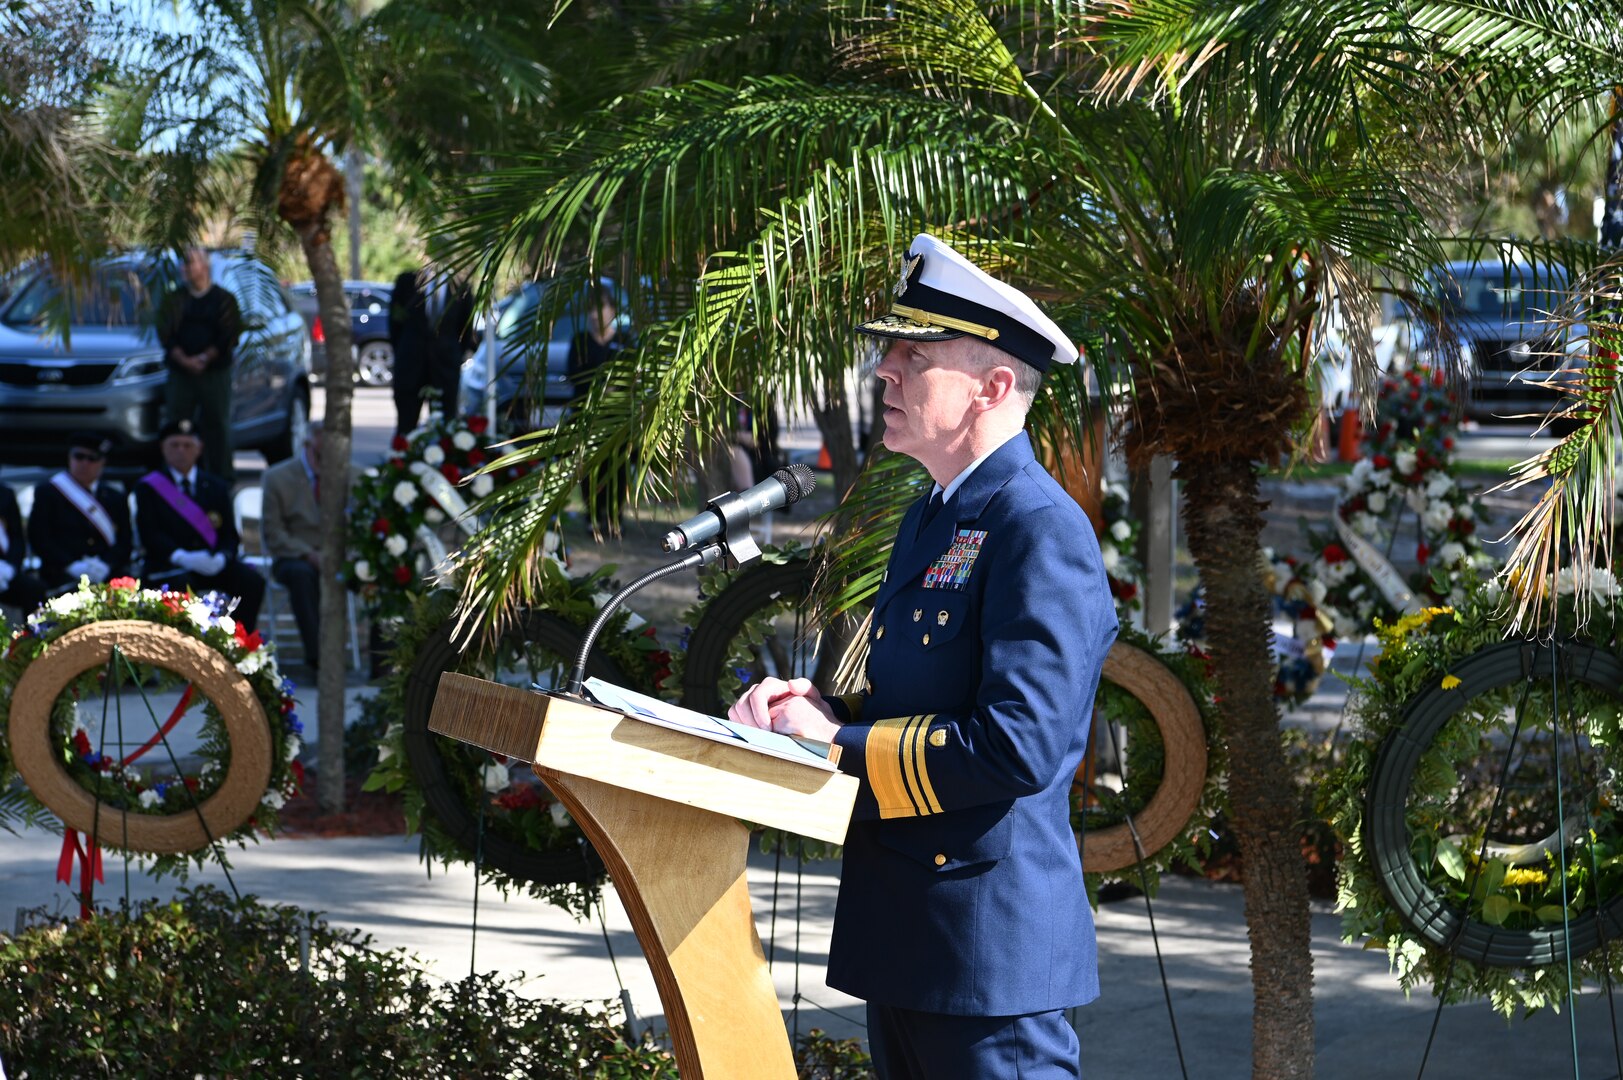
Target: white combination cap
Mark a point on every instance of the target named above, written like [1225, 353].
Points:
[942, 295]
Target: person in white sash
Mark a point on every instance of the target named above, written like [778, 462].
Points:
[80, 524]
[19, 588]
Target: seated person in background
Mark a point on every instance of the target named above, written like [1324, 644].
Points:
[292, 525]
[80, 524]
[17, 588]
[186, 523]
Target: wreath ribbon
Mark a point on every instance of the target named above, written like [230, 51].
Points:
[167, 726]
[89, 852]
[89, 855]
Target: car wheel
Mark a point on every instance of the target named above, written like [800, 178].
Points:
[374, 363]
[293, 434]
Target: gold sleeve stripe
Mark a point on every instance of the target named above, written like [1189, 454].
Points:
[884, 763]
[920, 768]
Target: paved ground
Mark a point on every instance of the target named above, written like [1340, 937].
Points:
[1365, 1027]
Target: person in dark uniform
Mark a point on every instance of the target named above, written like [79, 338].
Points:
[186, 523]
[19, 588]
[604, 487]
[962, 917]
[431, 329]
[80, 523]
[198, 328]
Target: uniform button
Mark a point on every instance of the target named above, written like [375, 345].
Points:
[938, 737]
[918, 613]
[927, 639]
[941, 618]
[880, 633]
[941, 860]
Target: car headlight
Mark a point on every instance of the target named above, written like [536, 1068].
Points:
[145, 366]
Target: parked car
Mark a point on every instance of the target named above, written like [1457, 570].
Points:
[368, 327]
[1503, 316]
[91, 361]
[532, 361]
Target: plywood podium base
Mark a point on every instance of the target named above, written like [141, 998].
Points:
[663, 809]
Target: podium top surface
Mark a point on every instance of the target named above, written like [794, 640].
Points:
[563, 737]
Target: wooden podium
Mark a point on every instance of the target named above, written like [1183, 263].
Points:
[662, 808]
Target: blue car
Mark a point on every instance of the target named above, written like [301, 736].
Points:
[368, 329]
[532, 361]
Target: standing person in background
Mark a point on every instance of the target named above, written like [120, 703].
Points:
[198, 328]
[80, 523]
[603, 487]
[408, 334]
[449, 306]
[431, 329]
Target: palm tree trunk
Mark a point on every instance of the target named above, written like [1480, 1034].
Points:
[1223, 518]
[335, 456]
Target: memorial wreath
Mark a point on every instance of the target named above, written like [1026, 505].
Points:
[1476, 805]
[244, 767]
[491, 810]
[398, 509]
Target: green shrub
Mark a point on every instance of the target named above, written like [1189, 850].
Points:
[207, 985]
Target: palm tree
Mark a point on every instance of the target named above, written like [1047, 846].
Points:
[276, 91]
[59, 141]
[1193, 189]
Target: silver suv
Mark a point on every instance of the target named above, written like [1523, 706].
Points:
[106, 373]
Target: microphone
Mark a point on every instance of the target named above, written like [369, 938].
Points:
[783, 488]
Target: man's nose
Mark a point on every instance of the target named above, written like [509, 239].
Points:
[888, 363]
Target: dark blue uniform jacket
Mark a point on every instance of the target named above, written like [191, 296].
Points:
[962, 888]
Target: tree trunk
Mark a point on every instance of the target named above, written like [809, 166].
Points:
[833, 416]
[335, 457]
[1223, 520]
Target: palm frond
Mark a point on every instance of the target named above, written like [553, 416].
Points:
[1571, 526]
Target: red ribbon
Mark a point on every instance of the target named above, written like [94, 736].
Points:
[89, 852]
[181, 706]
[89, 868]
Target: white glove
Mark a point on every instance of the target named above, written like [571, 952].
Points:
[189, 560]
[211, 563]
[7, 572]
[90, 567]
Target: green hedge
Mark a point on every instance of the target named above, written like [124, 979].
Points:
[206, 985]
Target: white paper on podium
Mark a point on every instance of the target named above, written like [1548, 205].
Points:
[663, 713]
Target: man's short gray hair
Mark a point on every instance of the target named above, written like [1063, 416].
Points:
[1027, 379]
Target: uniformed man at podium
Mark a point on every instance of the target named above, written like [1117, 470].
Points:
[962, 917]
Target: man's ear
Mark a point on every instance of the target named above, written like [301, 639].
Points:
[997, 386]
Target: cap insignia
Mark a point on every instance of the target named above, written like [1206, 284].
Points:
[908, 269]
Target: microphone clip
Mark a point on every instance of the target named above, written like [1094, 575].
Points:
[735, 538]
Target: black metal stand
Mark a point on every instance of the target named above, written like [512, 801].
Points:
[691, 560]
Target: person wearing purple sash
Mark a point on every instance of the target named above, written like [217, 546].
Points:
[183, 514]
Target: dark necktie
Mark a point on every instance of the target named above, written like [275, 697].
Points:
[186, 486]
[930, 511]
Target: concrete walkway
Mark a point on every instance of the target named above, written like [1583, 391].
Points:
[1365, 1027]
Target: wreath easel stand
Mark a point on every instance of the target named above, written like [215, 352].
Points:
[39, 762]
